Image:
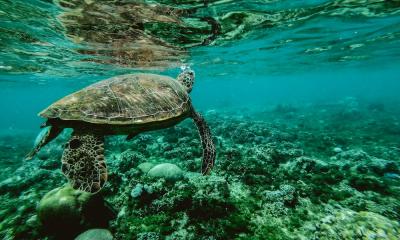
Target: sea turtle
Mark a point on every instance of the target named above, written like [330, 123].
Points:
[122, 105]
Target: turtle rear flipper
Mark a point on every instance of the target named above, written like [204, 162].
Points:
[206, 142]
[83, 161]
[47, 135]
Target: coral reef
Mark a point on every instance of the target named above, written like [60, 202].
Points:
[291, 172]
[347, 224]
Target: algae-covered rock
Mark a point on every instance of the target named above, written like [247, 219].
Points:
[62, 206]
[145, 167]
[65, 211]
[168, 171]
[95, 234]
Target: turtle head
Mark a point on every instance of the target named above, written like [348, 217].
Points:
[186, 78]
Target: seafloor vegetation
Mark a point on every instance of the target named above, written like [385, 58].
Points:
[315, 171]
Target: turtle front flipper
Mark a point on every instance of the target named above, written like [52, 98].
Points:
[83, 161]
[46, 135]
[206, 142]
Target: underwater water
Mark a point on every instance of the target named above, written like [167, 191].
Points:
[301, 98]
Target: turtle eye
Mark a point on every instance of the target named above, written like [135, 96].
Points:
[74, 144]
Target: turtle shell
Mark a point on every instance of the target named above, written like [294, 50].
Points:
[125, 99]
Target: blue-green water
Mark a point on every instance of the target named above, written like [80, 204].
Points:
[299, 95]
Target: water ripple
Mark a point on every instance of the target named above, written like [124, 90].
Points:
[76, 37]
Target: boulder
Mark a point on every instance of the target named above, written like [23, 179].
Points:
[65, 211]
[145, 167]
[168, 171]
[95, 234]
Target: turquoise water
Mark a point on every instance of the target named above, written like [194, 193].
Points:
[302, 99]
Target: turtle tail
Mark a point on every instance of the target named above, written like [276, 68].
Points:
[206, 142]
[83, 161]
